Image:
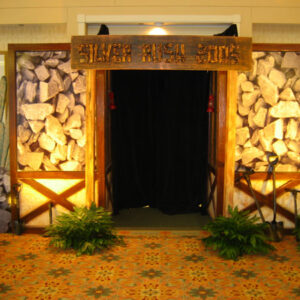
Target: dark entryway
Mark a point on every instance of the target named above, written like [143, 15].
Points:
[159, 140]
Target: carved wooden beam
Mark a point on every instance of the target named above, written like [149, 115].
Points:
[169, 52]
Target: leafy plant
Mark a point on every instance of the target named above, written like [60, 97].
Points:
[237, 235]
[85, 230]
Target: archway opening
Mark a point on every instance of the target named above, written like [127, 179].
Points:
[159, 131]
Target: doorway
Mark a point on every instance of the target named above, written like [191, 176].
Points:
[159, 137]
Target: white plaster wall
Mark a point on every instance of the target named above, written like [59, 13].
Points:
[32, 34]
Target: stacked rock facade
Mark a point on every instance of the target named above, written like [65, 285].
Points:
[51, 104]
[268, 113]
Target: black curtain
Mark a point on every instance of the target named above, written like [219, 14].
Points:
[230, 31]
[159, 139]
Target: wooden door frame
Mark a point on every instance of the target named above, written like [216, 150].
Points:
[101, 109]
[95, 172]
[220, 139]
[113, 52]
[225, 139]
[225, 119]
[95, 178]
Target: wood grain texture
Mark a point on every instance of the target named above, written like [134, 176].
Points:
[51, 174]
[90, 137]
[221, 139]
[101, 136]
[161, 52]
[229, 167]
[266, 176]
[40, 47]
[275, 47]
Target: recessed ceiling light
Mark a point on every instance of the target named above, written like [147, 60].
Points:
[157, 31]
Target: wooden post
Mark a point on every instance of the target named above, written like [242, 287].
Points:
[221, 138]
[231, 108]
[101, 137]
[90, 138]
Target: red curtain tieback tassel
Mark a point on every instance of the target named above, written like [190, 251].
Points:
[112, 105]
[210, 106]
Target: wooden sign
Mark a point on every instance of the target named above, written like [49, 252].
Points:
[138, 52]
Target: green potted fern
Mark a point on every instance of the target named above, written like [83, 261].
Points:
[237, 235]
[85, 230]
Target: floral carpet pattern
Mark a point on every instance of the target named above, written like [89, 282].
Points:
[152, 265]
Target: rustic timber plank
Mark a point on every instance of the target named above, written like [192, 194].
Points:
[229, 167]
[101, 137]
[275, 47]
[221, 139]
[251, 207]
[213, 125]
[55, 198]
[90, 137]
[267, 176]
[113, 52]
[40, 47]
[51, 174]
[44, 207]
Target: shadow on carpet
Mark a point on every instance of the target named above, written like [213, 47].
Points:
[151, 218]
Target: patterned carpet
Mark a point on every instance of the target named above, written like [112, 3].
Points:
[152, 265]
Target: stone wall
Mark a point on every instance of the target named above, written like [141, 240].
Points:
[50, 112]
[268, 115]
[268, 119]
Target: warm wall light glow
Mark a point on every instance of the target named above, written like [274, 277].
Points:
[32, 199]
[58, 185]
[157, 31]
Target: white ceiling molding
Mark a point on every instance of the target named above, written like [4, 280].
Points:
[84, 20]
